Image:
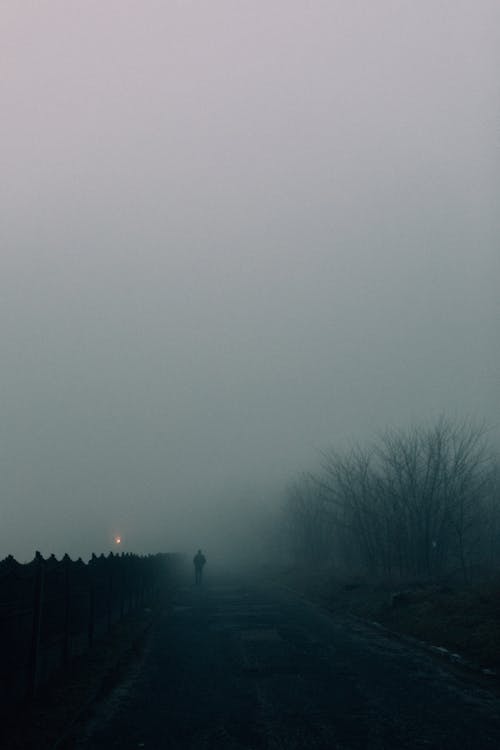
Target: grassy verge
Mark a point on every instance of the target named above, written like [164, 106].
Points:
[462, 619]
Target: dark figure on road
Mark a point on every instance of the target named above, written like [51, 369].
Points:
[199, 561]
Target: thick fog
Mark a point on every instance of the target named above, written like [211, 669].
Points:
[233, 233]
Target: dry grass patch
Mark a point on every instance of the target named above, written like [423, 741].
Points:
[462, 619]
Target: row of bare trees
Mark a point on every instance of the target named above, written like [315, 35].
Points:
[424, 503]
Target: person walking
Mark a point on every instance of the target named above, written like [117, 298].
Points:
[199, 561]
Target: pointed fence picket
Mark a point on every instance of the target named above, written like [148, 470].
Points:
[52, 611]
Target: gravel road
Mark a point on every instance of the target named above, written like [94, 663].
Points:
[242, 665]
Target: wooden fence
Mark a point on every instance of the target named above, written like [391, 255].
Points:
[52, 611]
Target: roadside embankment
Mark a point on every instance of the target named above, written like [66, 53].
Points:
[464, 619]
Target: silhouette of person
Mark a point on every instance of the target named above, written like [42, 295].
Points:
[199, 561]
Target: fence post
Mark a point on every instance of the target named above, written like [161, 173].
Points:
[67, 604]
[34, 657]
[110, 590]
[122, 564]
[90, 574]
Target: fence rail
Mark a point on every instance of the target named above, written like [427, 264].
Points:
[52, 611]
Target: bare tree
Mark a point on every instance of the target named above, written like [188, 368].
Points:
[420, 502]
[309, 522]
[347, 485]
[437, 479]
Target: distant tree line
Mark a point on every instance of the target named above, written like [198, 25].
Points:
[416, 503]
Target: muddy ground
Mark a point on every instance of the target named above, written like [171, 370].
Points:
[243, 665]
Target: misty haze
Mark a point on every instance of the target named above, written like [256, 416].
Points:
[249, 305]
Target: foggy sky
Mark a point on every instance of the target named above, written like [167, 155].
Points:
[233, 233]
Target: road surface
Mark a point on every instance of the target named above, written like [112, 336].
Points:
[240, 665]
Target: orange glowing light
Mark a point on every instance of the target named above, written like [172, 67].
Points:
[118, 539]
